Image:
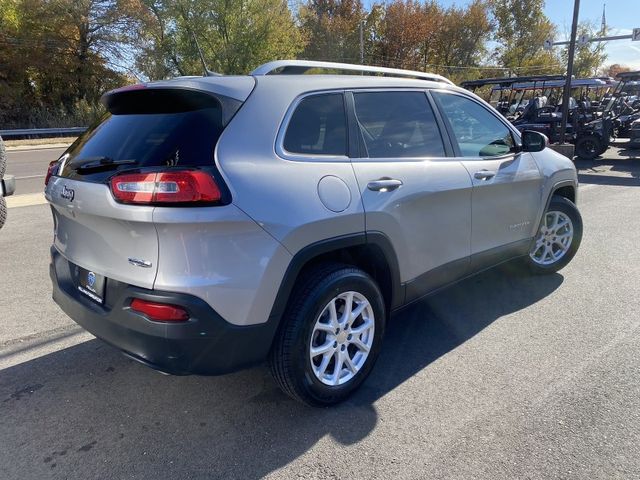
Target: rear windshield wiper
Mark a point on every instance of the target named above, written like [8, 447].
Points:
[93, 163]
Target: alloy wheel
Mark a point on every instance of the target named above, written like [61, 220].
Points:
[553, 239]
[342, 338]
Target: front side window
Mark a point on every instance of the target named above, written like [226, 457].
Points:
[318, 126]
[398, 125]
[478, 132]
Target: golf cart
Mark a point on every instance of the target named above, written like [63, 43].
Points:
[534, 103]
[623, 106]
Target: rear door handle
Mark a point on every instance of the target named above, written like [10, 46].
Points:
[384, 184]
[484, 174]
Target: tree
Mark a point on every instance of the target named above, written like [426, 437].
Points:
[332, 29]
[613, 70]
[404, 33]
[522, 28]
[235, 35]
[59, 58]
[462, 36]
[428, 37]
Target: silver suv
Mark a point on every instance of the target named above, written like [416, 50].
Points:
[208, 224]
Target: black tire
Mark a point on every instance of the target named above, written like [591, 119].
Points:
[588, 147]
[289, 360]
[3, 211]
[559, 204]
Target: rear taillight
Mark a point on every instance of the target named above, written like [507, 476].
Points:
[184, 186]
[51, 171]
[159, 312]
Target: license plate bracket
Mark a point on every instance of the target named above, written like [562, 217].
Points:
[91, 285]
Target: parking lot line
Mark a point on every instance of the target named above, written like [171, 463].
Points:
[26, 200]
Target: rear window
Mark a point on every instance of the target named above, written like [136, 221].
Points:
[140, 140]
[150, 140]
[318, 126]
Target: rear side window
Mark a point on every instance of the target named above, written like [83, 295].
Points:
[478, 132]
[398, 124]
[318, 126]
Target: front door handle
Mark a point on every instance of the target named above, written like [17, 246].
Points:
[384, 184]
[484, 174]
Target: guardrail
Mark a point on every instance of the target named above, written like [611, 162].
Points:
[41, 132]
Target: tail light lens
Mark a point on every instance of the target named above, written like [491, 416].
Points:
[160, 312]
[52, 170]
[165, 187]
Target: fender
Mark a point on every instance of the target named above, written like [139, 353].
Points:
[308, 253]
[557, 186]
[554, 189]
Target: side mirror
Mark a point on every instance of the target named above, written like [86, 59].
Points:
[533, 141]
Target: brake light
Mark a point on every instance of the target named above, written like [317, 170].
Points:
[160, 312]
[51, 171]
[188, 186]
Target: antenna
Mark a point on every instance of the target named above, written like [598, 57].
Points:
[207, 72]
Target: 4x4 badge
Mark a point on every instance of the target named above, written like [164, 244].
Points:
[68, 193]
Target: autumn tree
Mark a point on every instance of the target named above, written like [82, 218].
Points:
[613, 70]
[427, 36]
[403, 32]
[332, 29]
[58, 58]
[462, 37]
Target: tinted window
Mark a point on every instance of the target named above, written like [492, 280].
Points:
[398, 124]
[478, 132]
[148, 140]
[318, 126]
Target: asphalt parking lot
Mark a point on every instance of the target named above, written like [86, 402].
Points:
[501, 376]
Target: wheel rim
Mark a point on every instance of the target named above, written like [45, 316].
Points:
[342, 338]
[553, 239]
[589, 146]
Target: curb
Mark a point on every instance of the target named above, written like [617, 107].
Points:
[19, 148]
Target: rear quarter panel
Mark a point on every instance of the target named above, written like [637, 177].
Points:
[281, 195]
[222, 256]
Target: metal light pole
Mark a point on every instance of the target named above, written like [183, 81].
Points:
[567, 86]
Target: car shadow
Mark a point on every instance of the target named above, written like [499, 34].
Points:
[89, 412]
[596, 171]
[632, 153]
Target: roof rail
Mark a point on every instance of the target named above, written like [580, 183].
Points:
[299, 67]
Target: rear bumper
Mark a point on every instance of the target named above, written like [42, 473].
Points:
[206, 344]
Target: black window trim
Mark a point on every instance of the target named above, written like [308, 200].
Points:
[449, 153]
[515, 134]
[306, 157]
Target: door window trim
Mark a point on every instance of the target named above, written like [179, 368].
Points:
[311, 157]
[515, 134]
[359, 141]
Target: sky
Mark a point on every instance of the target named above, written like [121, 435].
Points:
[622, 16]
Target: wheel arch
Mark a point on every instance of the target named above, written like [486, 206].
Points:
[566, 189]
[371, 251]
[563, 188]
